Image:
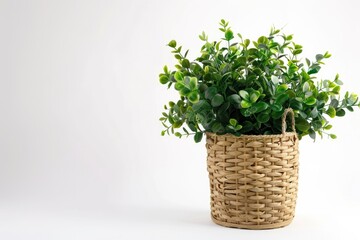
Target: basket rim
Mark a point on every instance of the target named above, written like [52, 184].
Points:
[260, 136]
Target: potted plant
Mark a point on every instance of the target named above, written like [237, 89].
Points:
[238, 93]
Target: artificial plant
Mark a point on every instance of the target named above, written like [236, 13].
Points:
[239, 86]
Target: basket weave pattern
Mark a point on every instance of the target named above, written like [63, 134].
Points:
[253, 178]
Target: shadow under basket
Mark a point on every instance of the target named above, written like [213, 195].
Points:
[253, 178]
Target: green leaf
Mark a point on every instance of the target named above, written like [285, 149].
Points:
[198, 136]
[317, 124]
[172, 44]
[338, 82]
[171, 104]
[238, 127]
[281, 99]
[310, 101]
[302, 114]
[250, 110]
[263, 117]
[203, 36]
[308, 94]
[210, 92]
[179, 76]
[334, 102]
[275, 80]
[312, 134]
[246, 112]
[230, 127]
[244, 94]
[331, 111]
[296, 105]
[327, 55]
[328, 127]
[306, 87]
[164, 79]
[184, 91]
[320, 133]
[314, 70]
[260, 106]
[234, 99]
[203, 87]
[217, 127]
[263, 40]
[336, 90]
[179, 86]
[193, 83]
[319, 57]
[276, 107]
[239, 62]
[351, 109]
[281, 88]
[245, 104]
[217, 100]
[193, 97]
[297, 51]
[185, 63]
[352, 99]
[166, 70]
[247, 126]
[333, 136]
[224, 107]
[229, 35]
[330, 84]
[177, 124]
[201, 106]
[314, 113]
[192, 127]
[301, 124]
[323, 96]
[246, 43]
[254, 96]
[233, 122]
[340, 112]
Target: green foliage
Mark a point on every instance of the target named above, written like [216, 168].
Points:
[243, 87]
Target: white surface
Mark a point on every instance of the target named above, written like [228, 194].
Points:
[170, 222]
[81, 156]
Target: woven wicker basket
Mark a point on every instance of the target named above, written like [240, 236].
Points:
[253, 178]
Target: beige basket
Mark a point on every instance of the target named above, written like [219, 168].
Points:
[253, 178]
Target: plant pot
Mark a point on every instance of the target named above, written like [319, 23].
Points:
[253, 178]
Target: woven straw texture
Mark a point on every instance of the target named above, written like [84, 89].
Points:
[253, 178]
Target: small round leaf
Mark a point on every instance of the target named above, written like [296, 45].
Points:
[198, 136]
[217, 100]
[310, 101]
[172, 43]
[193, 96]
[245, 104]
[164, 79]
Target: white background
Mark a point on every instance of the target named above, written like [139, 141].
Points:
[81, 156]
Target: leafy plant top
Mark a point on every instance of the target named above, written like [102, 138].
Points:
[243, 87]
